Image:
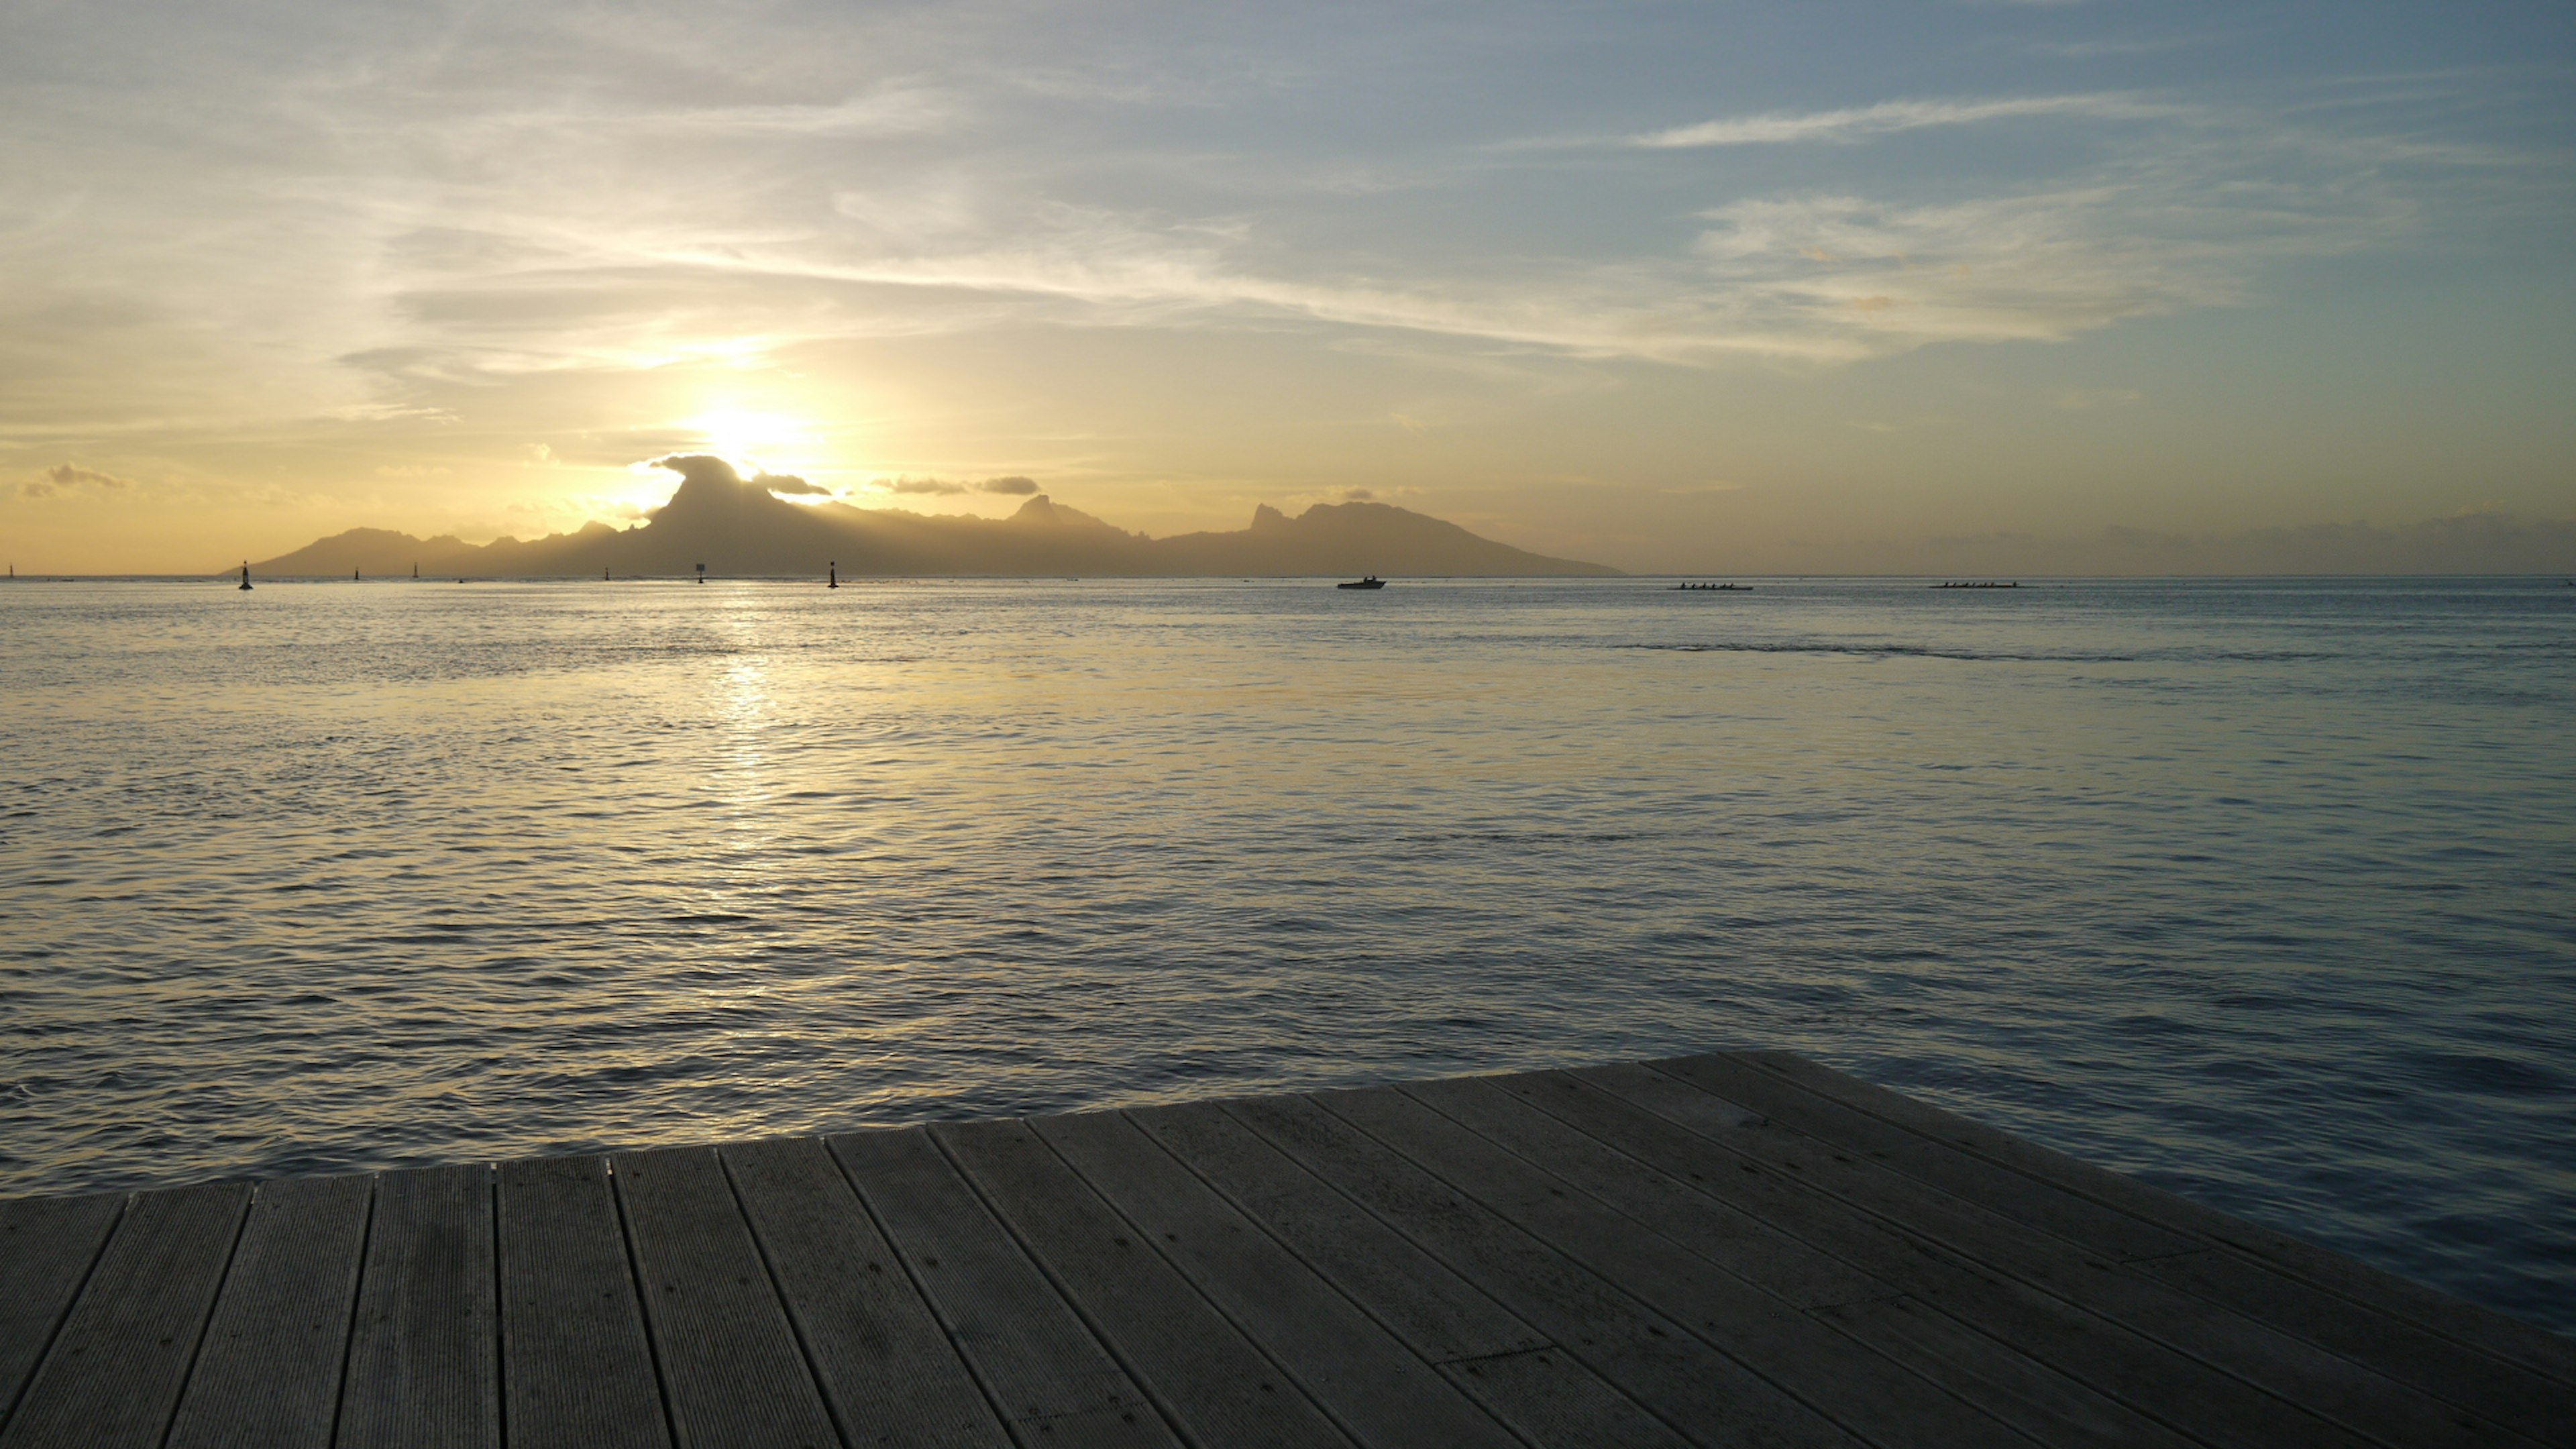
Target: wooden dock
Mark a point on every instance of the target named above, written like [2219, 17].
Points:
[1743, 1249]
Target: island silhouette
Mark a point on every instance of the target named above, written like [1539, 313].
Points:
[737, 526]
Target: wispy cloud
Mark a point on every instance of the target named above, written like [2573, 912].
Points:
[71, 477]
[1887, 118]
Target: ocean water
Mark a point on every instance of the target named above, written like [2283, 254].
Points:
[2264, 891]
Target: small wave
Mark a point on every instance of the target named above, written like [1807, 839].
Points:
[2004, 656]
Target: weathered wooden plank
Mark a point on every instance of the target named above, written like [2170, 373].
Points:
[886, 1366]
[1744, 1244]
[1375, 1386]
[730, 1365]
[1995, 1377]
[2533, 1404]
[1212, 1383]
[1557, 1401]
[2104, 1231]
[114, 1372]
[1838, 1377]
[1477, 1344]
[1420, 1300]
[268, 1372]
[2363, 1401]
[879, 1354]
[2256, 1289]
[423, 1364]
[2047, 1406]
[1701, 1392]
[576, 1369]
[1031, 1352]
[47, 1245]
[2146, 1376]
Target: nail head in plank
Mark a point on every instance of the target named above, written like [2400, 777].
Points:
[422, 1367]
[47, 1245]
[268, 1374]
[575, 1367]
[1029, 1348]
[887, 1367]
[1558, 1403]
[1378, 1388]
[729, 1362]
[115, 1370]
[1210, 1380]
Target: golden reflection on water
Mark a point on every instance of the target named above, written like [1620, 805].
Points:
[347, 876]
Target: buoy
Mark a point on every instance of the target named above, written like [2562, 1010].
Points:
[836, 574]
[245, 573]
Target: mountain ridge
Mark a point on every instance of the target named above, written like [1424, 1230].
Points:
[739, 527]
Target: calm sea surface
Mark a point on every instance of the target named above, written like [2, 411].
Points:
[2264, 891]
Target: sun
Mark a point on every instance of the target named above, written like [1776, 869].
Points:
[752, 440]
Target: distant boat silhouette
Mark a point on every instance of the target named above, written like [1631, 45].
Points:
[245, 583]
[1713, 588]
[1371, 582]
[1989, 584]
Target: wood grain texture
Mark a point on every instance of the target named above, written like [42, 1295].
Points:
[2504, 1369]
[1677, 1199]
[1031, 1352]
[1700, 1392]
[47, 1247]
[1214, 1384]
[731, 1368]
[1478, 1345]
[114, 1372]
[2365, 1288]
[1377, 1388]
[424, 1367]
[1859, 1159]
[1838, 1377]
[1735, 1249]
[268, 1375]
[576, 1369]
[884, 1363]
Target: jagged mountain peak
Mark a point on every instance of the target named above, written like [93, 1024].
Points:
[738, 526]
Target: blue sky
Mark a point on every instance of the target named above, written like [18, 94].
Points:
[1828, 286]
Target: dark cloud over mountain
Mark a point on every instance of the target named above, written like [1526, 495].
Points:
[1014, 487]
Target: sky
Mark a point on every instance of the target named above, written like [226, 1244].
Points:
[1827, 287]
